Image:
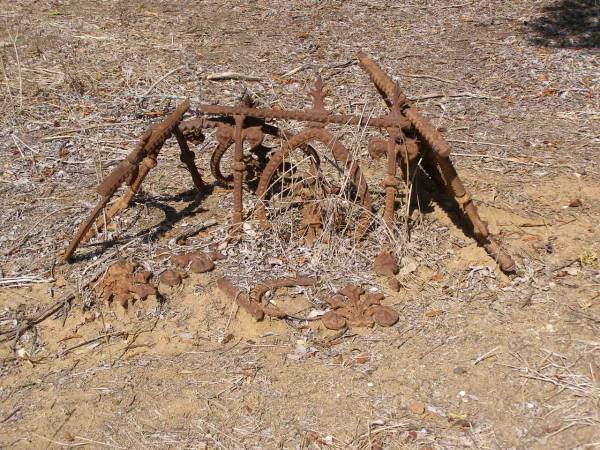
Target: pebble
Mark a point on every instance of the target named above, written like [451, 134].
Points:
[394, 284]
[459, 371]
[416, 407]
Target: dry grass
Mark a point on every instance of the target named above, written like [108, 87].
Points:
[496, 362]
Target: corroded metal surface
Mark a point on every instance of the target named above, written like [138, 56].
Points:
[355, 308]
[441, 166]
[145, 153]
[408, 138]
[253, 302]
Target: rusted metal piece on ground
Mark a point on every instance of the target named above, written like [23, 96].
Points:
[144, 154]
[392, 94]
[123, 284]
[410, 139]
[385, 264]
[254, 303]
[170, 278]
[340, 154]
[437, 151]
[261, 289]
[201, 263]
[226, 286]
[198, 262]
[352, 307]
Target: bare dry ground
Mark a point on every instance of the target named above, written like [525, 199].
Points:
[478, 359]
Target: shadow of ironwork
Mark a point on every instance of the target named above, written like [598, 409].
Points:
[567, 24]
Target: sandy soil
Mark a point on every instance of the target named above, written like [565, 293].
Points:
[478, 359]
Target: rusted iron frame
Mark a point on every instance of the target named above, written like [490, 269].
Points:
[402, 117]
[238, 170]
[304, 116]
[440, 159]
[390, 182]
[145, 153]
[340, 154]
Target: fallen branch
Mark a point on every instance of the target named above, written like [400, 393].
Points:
[231, 76]
[89, 341]
[485, 356]
[40, 317]
[500, 158]
[151, 88]
[192, 231]
[455, 95]
[23, 281]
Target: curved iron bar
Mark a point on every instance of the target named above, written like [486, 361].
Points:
[340, 154]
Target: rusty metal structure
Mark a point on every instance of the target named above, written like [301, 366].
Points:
[409, 139]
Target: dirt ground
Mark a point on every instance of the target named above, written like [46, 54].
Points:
[478, 359]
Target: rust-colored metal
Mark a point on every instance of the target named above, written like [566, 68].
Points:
[253, 302]
[391, 92]
[340, 154]
[409, 138]
[123, 284]
[145, 153]
[261, 289]
[301, 116]
[438, 158]
[238, 295]
[352, 307]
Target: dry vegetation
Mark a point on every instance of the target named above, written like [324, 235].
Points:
[478, 359]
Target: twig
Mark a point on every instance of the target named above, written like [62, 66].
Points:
[455, 95]
[493, 144]
[231, 76]
[23, 281]
[10, 414]
[485, 356]
[55, 307]
[338, 65]
[193, 230]
[89, 341]
[14, 42]
[69, 414]
[500, 158]
[170, 72]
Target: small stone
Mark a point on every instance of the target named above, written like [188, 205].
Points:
[170, 278]
[227, 338]
[201, 264]
[180, 261]
[385, 264]
[575, 203]
[552, 427]
[394, 284]
[68, 436]
[416, 407]
[141, 277]
[433, 313]
[459, 371]
[362, 358]
[385, 316]
[333, 321]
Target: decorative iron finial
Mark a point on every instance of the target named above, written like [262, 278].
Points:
[318, 95]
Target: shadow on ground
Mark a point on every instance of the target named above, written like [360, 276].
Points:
[567, 24]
